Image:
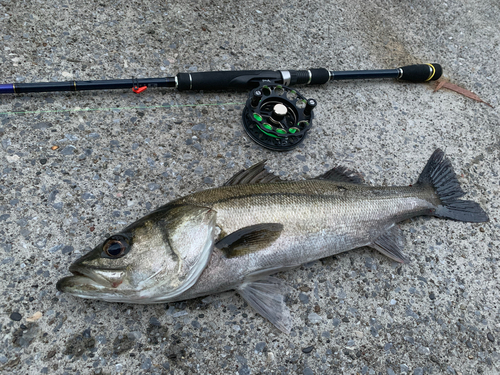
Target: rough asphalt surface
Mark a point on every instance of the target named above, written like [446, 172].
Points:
[78, 166]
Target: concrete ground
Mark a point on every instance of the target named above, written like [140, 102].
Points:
[78, 166]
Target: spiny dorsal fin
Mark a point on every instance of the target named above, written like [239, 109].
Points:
[256, 174]
[341, 174]
[249, 239]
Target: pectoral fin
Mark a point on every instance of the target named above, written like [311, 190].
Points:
[249, 239]
[391, 244]
[266, 296]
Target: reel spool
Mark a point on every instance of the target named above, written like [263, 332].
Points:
[277, 117]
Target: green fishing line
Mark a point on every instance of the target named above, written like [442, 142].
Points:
[114, 108]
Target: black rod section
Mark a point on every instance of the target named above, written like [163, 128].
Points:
[238, 79]
[412, 73]
[365, 74]
[92, 85]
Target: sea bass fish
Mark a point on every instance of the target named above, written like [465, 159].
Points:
[237, 235]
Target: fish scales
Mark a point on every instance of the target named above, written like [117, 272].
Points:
[322, 219]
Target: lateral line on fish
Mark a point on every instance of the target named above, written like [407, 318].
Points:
[376, 194]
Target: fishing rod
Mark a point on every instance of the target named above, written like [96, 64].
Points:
[275, 116]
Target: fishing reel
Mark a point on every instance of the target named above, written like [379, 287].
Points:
[277, 117]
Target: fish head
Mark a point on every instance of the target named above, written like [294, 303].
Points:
[155, 259]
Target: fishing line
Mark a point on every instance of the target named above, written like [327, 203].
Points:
[115, 108]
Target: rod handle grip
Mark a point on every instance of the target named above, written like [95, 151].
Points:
[224, 80]
[421, 72]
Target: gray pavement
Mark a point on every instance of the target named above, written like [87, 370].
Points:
[78, 166]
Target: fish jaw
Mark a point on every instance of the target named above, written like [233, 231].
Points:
[93, 280]
[94, 284]
[80, 286]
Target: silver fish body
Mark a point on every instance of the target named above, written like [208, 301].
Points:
[320, 219]
[236, 236]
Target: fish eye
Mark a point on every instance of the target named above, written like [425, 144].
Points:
[115, 247]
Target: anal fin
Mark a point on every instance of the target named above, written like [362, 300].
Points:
[266, 296]
[391, 244]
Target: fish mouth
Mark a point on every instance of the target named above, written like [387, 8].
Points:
[83, 281]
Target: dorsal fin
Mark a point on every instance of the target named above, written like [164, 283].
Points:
[256, 174]
[341, 174]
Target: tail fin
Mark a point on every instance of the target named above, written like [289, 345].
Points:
[439, 174]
